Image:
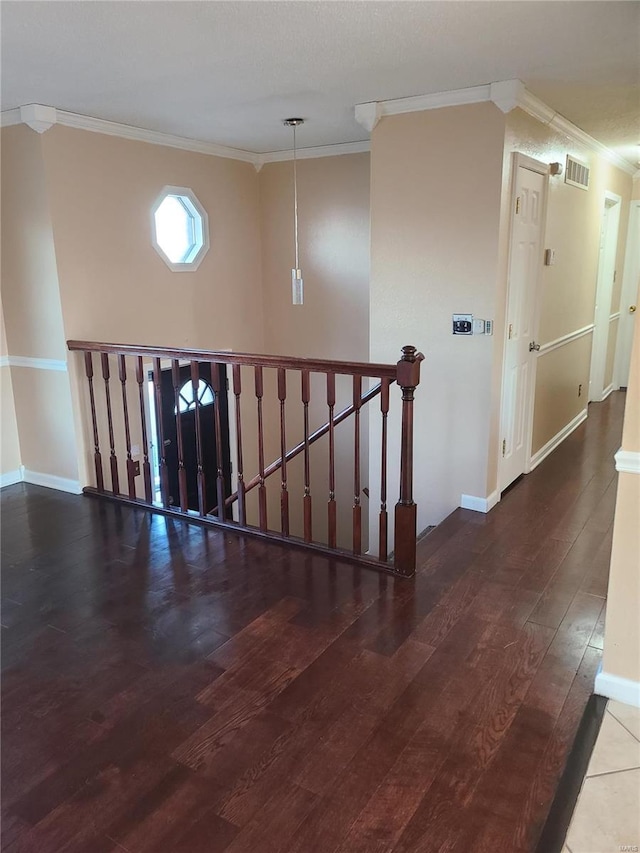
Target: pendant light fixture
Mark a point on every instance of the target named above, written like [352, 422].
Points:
[297, 284]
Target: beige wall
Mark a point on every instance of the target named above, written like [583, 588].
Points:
[333, 323]
[560, 373]
[30, 293]
[435, 210]
[113, 284]
[10, 459]
[568, 288]
[622, 630]
[32, 310]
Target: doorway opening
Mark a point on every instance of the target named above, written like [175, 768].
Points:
[602, 353]
[178, 419]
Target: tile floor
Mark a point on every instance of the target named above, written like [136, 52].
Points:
[607, 815]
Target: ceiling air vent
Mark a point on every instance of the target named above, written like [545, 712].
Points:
[576, 174]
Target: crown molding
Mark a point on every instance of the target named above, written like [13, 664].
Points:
[9, 118]
[40, 118]
[369, 114]
[507, 95]
[310, 153]
[155, 137]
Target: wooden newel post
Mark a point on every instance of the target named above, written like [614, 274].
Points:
[408, 378]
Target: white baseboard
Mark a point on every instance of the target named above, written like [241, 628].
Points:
[50, 481]
[628, 461]
[621, 689]
[11, 478]
[557, 439]
[479, 504]
[607, 391]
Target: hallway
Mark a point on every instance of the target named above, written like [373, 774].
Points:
[174, 689]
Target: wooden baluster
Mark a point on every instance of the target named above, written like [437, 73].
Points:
[131, 465]
[383, 547]
[113, 461]
[146, 467]
[407, 377]
[164, 473]
[202, 491]
[182, 473]
[306, 500]
[237, 390]
[284, 494]
[97, 457]
[357, 508]
[218, 388]
[332, 506]
[262, 490]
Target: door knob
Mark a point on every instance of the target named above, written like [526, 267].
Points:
[533, 346]
[632, 309]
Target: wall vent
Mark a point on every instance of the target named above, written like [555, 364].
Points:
[576, 173]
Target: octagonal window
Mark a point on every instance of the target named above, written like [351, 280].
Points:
[180, 228]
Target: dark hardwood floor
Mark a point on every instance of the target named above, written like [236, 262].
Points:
[173, 689]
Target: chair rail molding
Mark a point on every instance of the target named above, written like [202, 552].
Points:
[37, 363]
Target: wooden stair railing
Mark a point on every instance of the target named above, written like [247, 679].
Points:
[150, 361]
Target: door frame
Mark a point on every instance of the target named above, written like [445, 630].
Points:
[520, 160]
[150, 411]
[629, 295]
[602, 315]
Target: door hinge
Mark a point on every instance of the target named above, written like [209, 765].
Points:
[518, 204]
[504, 446]
[510, 330]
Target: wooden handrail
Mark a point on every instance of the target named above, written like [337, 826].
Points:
[291, 454]
[314, 365]
[207, 480]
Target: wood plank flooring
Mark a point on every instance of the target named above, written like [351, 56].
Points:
[170, 689]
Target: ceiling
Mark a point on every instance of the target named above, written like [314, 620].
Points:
[229, 72]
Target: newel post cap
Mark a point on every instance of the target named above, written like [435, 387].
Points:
[408, 368]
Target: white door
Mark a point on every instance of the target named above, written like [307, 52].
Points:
[628, 298]
[525, 258]
[604, 290]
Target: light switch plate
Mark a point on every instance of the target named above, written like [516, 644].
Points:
[462, 324]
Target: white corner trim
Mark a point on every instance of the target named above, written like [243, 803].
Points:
[506, 95]
[50, 481]
[621, 689]
[628, 461]
[312, 153]
[479, 504]
[615, 316]
[4, 361]
[565, 339]
[38, 363]
[10, 478]
[557, 439]
[368, 115]
[38, 117]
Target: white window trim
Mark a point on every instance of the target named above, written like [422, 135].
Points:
[202, 228]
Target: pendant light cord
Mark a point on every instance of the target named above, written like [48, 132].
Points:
[295, 198]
